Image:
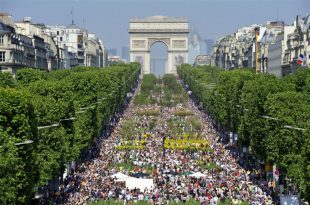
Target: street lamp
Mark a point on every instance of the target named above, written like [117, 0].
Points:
[271, 118]
[67, 119]
[48, 126]
[295, 128]
[24, 142]
[101, 99]
[85, 108]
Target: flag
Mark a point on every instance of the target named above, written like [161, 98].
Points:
[300, 59]
[305, 59]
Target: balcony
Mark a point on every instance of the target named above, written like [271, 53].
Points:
[12, 47]
[12, 62]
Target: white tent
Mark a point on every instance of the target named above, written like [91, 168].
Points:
[120, 175]
[139, 183]
[132, 182]
[198, 175]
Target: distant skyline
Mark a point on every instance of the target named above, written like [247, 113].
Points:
[109, 19]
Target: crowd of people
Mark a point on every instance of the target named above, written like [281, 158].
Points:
[170, 169]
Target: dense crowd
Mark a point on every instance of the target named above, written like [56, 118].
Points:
[170, 168]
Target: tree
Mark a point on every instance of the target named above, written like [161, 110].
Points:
[284, 144]
[6, 80]
[61, 112]
[28, 75]
[17, 124]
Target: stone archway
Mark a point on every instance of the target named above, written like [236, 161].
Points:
[158, 58]
[173, 32]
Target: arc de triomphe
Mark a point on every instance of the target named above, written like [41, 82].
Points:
[173, 32]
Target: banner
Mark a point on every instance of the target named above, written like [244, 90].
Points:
[186, 144]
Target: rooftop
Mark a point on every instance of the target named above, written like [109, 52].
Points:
[4, 28]
[160, 19]
[74, 26]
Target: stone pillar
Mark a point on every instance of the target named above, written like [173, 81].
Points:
[132, 59]
[186, 57]
[147, 62]
[169, 68]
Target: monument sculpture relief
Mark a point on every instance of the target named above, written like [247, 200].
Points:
[138, 43]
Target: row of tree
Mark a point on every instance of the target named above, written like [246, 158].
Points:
[173, 91]
[270, 115]
[59, 114]
[149, 89]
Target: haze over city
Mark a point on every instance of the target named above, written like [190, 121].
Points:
[109, 19]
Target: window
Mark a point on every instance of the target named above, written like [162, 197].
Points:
[2, 56]
[1, 40]
[60, 38]
[57, 32]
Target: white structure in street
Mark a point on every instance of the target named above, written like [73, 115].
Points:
[173, 32]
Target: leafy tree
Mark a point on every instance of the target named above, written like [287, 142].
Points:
[6, 80]
[287, 139]
[269, 114]
[17, 124]
[28, 75]
[253, 98]
[75, 102]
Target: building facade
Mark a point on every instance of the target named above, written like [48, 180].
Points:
[280, 47]
[275, 57]
[16, 50]
[25, 44]
[202, 60]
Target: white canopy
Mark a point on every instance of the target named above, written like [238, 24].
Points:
[139, 183]
[132, 182]
[120, 175]
[198, 175]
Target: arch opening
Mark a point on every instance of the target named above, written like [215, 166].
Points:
[159, 58]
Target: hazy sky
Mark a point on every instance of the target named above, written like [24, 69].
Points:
[109, 19]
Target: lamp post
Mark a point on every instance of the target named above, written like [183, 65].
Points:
[295, 128]
[67, 119]
[270, 118]
[48, 126]
[24, 142]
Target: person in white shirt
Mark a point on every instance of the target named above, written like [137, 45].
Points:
[140, 197]
[128, 197]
